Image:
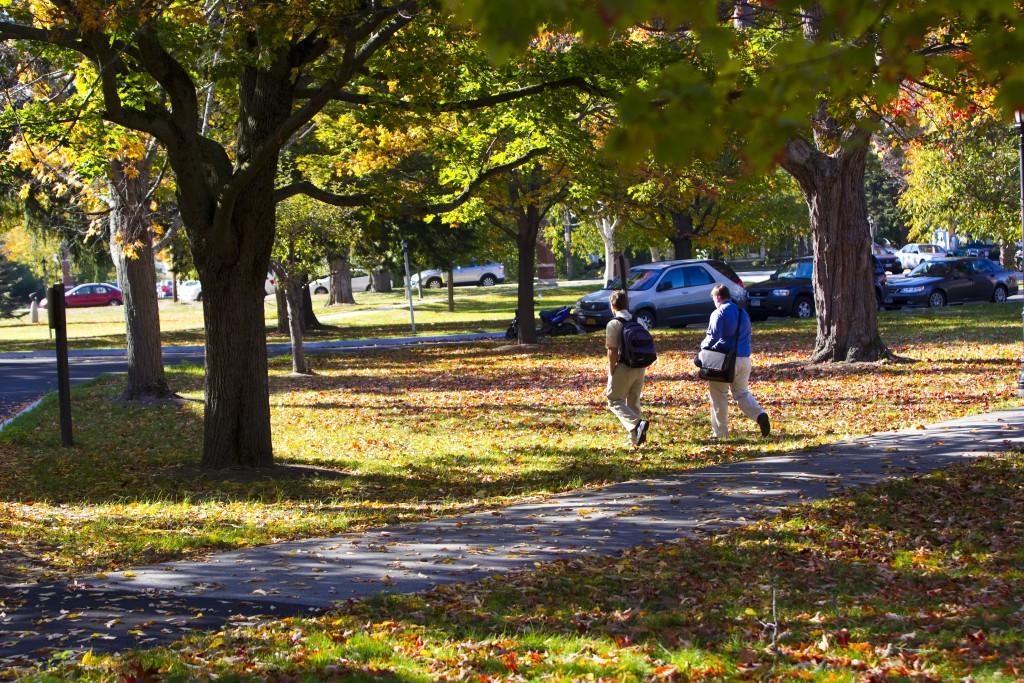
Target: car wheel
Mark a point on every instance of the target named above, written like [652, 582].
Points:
[199, 296]
[434, 283]
[488, 281]
[320, 290]
[999, 296]
[114, 302]
[936, 299]
[646, 318]
[803, 308]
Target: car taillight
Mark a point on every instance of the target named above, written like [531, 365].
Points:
[738, 280]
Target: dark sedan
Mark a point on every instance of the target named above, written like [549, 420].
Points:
[952, 280]
[790, 291]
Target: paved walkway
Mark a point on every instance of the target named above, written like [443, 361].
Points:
[160, 603]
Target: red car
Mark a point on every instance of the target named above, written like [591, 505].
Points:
[91, 294]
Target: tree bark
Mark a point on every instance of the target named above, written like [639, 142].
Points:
[293, 292]
[309, 319]
[131, 249]
[450, 275]
[528, 227]
[282, 309]
[381, 281]
[341, 280]
[682, 238]
[606, 228]
[833, 186]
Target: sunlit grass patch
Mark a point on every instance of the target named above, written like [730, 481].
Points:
[823, 592]
[395, 435]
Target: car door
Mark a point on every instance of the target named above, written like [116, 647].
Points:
[697, 285]
[958, 284]
[102, 295]
[670, 297]
[463, 275]
[983, 279]
[85, 296]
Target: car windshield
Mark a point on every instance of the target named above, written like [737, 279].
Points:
[639, 279]
[930, 269]
[795, 270]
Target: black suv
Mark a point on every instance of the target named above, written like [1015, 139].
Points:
[790, 291]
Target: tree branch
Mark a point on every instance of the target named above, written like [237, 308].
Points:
[467, 193]
[577, 82]
[310, 190]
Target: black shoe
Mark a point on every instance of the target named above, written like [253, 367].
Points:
[764, 424]
[641, 432]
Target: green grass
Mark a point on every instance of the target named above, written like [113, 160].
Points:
[915, 580]
[404, 434]
[374, 315]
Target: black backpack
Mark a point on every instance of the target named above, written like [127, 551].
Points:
[637, 347]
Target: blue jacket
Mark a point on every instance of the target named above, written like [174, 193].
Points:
[722, 330]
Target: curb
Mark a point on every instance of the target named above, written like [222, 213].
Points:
[30, 407]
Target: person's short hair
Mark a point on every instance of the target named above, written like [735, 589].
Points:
[618, 300]
[721, 292]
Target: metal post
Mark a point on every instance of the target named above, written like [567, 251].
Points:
[408, 286]
[58, 323]
[1018, 117]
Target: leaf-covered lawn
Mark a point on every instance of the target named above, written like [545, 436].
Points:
[398, 435]
[374, 315]
[917, 580]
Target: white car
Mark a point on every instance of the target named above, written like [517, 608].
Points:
[192, 290]
[913, 254]
[486, 275]
[360, 283]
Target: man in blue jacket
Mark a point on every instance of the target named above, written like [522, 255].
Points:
[720, 337]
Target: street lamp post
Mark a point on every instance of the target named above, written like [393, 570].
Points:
[1018, 117]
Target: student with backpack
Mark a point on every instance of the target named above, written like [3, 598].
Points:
[630, 350]
[729, 333]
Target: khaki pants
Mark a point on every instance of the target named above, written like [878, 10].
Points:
[623, 392]
[719, 393]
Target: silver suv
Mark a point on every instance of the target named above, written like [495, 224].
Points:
[667, 293]
[486, 275]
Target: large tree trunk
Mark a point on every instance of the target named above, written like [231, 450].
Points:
[232, 259]
[381, 281]
[309, 319]
[131, 248]
[682, 238]
[341, 280]
[528, 226]
[833, 186]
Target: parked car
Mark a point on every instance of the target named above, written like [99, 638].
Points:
[913, 254]
[190, 290]
[952, 280]
[91, 294]
[676, 293]
[322, 285]
[790, 291]
[989, 251]
[887, 257]
[486, 275]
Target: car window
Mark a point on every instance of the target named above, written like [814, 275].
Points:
[695, 276]
[639, 279]
[674, 279]
[99, 289]
[84, 289]
[796, 270]
[983, 265]
[931, 269]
